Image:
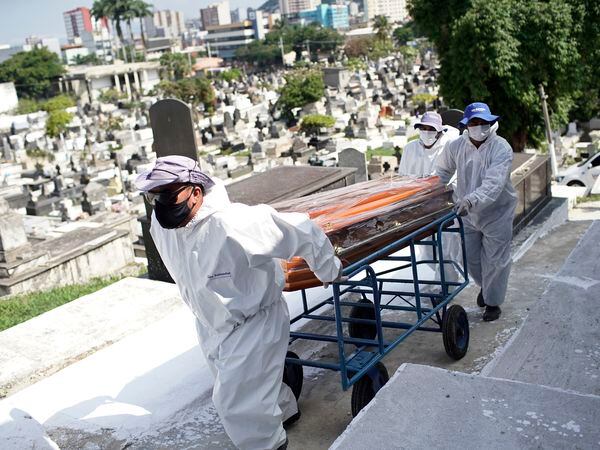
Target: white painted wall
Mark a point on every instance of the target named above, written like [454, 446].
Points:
[8, 97]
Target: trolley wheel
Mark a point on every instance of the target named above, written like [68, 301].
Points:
[455, 330]
[293, 375]
[365, 389]
[362, 330]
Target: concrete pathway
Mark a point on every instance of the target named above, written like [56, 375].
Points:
[541, 391]
[151, 389]
[425, 407]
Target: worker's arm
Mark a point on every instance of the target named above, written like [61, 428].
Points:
[270, 234]
[445, 165]
[496, 177]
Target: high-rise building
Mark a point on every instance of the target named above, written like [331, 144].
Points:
[216, 14]
[236, 15]
[171, 22]
[394, 10]
[78, 22]
[51, 44]
[82, 29]
[327, 15]
[295, 6]
[224, 40]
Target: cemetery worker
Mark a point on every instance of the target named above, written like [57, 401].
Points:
[418, 159]
[419, 156]
[224, 258]
[486, 199]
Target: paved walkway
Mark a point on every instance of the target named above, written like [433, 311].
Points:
[151, 389]
[541, 391]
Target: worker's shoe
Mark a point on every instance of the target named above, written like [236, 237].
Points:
[491, 313]
[480, 301]
[284, 445]
[291, 420]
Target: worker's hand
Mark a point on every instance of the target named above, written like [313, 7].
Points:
[463, 207]
[339, 279]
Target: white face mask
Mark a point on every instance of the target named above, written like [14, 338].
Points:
[428, 138]
[479, 133]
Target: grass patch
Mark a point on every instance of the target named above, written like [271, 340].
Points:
[22, 307]
[589, 198]
[379, 152]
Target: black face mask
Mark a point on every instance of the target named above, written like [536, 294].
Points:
[172, 216]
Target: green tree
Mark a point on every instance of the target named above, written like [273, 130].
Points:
[57, 122]
[111, 96]
[142, 10]
[32, 72]
[312, 37]
[91, 60]
[423, 99]
[259, 53]
[312, 123]
[231, 75]
[356, 64]
[358, 47]
[586, 13]
[175, 64]
[119, 11]
[190, 90]
[382, 28]
[302, 87]
[500, 53]
[405, 33]
[28, 106]
[58, 102]
[110, 10]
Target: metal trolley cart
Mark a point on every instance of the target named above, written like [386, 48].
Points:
[361, 343]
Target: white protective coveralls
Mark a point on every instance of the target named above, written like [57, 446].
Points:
[420, 162]
[483, 177]
[225, 265]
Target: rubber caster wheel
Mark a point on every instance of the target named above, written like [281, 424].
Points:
[455, 330]
[293, 375]
[364, 390]
[362, 330]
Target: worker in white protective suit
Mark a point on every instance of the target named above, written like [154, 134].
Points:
[419, 156]
[486, 199]
[418, 159]
[224, 258]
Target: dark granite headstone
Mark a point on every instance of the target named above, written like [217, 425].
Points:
[351, 157]
[274, 131]
[173, 129]
[228, 121]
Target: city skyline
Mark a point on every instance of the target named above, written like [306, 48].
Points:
[44, 18]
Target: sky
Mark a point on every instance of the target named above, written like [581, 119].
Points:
[22, 18]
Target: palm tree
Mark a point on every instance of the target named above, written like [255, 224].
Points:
[382, 28]
[113, 10]
[142, 9]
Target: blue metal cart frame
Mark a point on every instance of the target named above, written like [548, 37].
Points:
[355, 364]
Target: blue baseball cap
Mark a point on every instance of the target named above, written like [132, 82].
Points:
[478, 110]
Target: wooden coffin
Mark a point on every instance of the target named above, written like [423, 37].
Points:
[365, 217]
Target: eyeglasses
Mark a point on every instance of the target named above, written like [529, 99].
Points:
[165, 197]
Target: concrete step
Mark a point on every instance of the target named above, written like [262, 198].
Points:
[51, 341]
[426, 407]
[559, 343]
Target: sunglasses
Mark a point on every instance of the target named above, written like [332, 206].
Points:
[165, 197]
